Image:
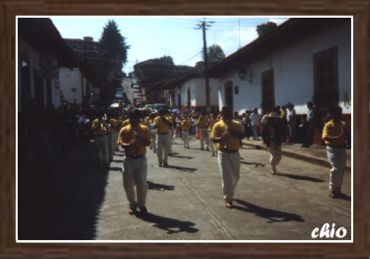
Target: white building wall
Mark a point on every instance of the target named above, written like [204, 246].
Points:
[71, 83]
[293, 72]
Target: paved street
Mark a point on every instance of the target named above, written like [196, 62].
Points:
[79, 201]
[185, 200]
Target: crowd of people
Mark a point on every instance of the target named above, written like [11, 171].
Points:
[220, 134]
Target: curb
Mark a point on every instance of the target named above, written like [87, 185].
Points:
[294, 155]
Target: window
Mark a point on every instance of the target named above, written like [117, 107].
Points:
[74, 90]
[236, 90]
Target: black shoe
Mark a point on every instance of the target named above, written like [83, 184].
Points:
[143, 210]
[165, 164]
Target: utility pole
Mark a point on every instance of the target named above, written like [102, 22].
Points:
[204, 25]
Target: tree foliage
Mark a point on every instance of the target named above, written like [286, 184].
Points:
[113, 51]
[266, 28]
[215, 53]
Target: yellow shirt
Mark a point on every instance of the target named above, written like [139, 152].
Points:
[203, 122]
[100, 127]
[212, 122]
[161, 125]
[229, 142]
[126, 135]
[125, 123]
[333, 129]
[185, 124]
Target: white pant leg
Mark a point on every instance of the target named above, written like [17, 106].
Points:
[235, 169]
[337, 158]
[185, 137]
[275, 154]
[204, 137]
[225, 165]
[162, 151]
[99, 144]
[169, 141]
[141, 171]
[128, 180]
[212, 147]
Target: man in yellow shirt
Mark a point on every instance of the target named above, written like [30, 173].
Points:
[134, 138]
[228, 133]
[185, 127]
[100, 129]
[203, 124]
[163, 127]
[334, 137]
[212, 122]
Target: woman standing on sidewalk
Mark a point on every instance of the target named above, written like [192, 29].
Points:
[334, 137]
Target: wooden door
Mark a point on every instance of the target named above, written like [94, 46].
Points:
[268, 91]
[229, 98]
[326, 77]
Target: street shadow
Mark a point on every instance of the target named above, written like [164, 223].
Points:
[271, 215]
[253, 163]
[160, 187]
[182, 168]
[300, 177]
[185, 157]
[171, 226]
[62, 204]
[117, 161]
[115, 168]
[343, 197]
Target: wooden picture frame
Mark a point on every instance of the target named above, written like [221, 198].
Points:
[360, 248]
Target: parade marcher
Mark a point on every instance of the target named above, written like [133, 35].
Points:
[311, 123]
[113, 130]
[273, 136]
[291, 120]
[170, 118]
[149, 121]
[255, 121]
[163, 127]
[212, 121]
[203, 124]
[185, 127]
[134, 138]
[283, 116]
[100, 128]
[227, 133]
[334, 136]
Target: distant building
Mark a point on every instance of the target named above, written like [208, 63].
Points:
[188, 92]
[41, 52]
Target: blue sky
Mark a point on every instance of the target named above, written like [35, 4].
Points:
[175, 36]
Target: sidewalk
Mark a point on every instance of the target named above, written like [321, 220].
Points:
[315, 154]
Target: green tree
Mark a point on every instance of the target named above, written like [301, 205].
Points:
[266, 28]
[215, 53]
[113, 50]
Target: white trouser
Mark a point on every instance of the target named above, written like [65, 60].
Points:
[102, 149]
[135, 174]
[229, 164]
[212, 147]
[337, 158]
[255, 132]
[275, 154]
[185, 138]
[169, 143]
[153, 143]
[162, 147]
[204, 137]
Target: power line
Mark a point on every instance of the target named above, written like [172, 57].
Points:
[199, 52]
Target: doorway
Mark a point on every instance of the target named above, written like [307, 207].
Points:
[326, 78]
[268, 91]
[229, 98]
